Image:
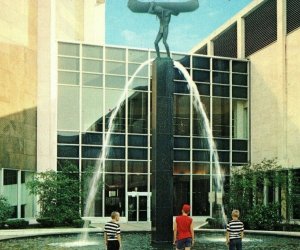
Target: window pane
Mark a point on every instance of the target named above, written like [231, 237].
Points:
[181, 168]
[92, 51]
[68, 63]
[239, 79]
[220, 117]
[181, 155]
[239, 119]
[201, 189]
[92, 109]
[132, 67]
[137, 182]
[68, 108]
[114, 166]
[10, 177]
[201, 76]
[115, 68]
[137, 140]
[201, 62]
[137, 56]
[91, 152]
[114, 194]
[67, 151]
[137, 153]
[137, 166]
[92, 66]
[239, 92]
[115, 81]
[181, 196]
[115, 54]
[68, 49]
[112, 99]
[68, 78]
[239, 66]
[137, 112]
[220, 64]
[92, 138]
[181, 142]
[220, 77]
[181, 114]
[201, 155]
[219, 90]
[95, 80]
[198, 119]
[67, 137]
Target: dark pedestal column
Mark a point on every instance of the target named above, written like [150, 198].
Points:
[162, 151]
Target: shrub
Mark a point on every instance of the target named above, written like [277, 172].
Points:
[263, 217]
[5, 210]
[17, 223]
[46, 222]
[79, 223]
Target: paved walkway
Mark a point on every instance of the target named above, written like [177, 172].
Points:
[125, 227]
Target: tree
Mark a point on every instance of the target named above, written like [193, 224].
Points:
[58, 194]
[5, 210]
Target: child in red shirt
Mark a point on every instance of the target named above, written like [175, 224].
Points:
[184, 230]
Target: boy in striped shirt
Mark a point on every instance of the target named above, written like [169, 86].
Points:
[112, 232]
[235, 232]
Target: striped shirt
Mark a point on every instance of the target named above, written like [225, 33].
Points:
[235, 229]
[112, 229]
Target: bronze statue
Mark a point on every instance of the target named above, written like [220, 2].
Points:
[163, 10]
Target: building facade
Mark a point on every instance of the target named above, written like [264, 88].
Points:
[267, 33]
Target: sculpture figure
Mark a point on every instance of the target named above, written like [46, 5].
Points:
[164, 11]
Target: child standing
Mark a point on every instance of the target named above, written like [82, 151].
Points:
[112, 232]
[235, 232]
[184, 230]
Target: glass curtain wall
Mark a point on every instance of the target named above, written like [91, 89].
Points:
[92, 82]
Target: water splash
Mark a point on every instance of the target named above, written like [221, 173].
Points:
[219, 181]
[95, 181]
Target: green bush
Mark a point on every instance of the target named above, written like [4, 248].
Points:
[79, 223]
[263, 217]
[46, 222]
[5, 211]
[17, 223]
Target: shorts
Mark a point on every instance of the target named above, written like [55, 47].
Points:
[181, 244]
[113, 245]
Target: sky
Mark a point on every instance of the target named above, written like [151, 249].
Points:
[139, 30]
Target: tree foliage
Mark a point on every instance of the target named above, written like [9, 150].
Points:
[58, 194]
[246, 193]
[5, 210]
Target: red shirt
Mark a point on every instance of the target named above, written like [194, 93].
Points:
[183, 227]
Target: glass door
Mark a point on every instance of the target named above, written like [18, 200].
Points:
[137, 206]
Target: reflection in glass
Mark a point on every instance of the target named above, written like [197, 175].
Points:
[115, 68]
[91, 151]
[92, 66]
[92, 109]
[116, 54]
[201, 62]
[132, 67]
[201, 189]
[92, 51]
[137, 56]
[68, 108]
[92, 138]
[112, 81]
[65, 77]
[114, 166]
[68, 49]
[198, 120]
[68, 63]
[95, 80]
[114, 194]
[181, 114]
[67, 137]
[137, 166]
[137, 182]
[220, 117]
[181, 168]
[239, 119]
[112, 97]
[137, 112]
[181, 195]
[201, 168]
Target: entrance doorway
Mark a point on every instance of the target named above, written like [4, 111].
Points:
[138, 206]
